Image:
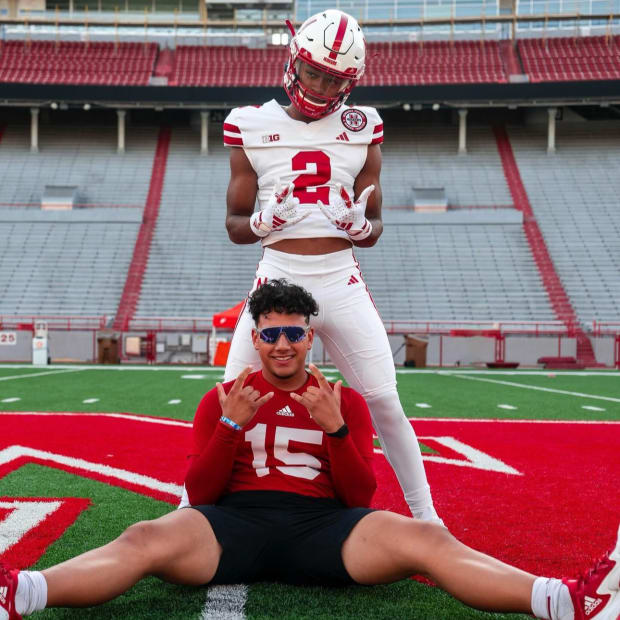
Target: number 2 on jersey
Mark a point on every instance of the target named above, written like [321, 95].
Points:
[310, 187]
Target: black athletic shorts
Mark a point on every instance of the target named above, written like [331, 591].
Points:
[278, 536]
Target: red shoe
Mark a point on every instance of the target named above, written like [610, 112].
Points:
[8, 587]
[597, 593]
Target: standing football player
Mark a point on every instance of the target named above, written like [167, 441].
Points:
[314, 167]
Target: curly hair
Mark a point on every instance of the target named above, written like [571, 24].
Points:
[282, 296]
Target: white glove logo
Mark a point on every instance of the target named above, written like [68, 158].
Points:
[347, 215]
[281, 211]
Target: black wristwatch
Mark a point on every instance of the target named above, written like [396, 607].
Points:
[343, 431]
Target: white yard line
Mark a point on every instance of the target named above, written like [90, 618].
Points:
[125, 416]
[329, 369]
[512, 421]
[225, 603]
[537, 388]
[121, 367]
[41, 374]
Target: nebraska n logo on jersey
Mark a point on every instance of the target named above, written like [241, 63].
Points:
[353, 119]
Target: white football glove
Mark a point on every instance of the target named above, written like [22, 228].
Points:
[347, 215]
[281, 211]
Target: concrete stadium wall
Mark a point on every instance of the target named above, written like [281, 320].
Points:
[21, 351]
[604, 349]
[454, 351]
[81, 346]
[78, 346]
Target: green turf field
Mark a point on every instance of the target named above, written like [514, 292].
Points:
[172, 393]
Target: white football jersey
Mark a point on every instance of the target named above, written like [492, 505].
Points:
[315, 156]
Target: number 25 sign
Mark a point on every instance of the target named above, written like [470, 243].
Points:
[8, 338]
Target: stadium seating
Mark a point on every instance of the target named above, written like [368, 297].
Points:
[60, 264]
[227, 66]
[415, 155]
[571, 58]
[73, 62]
[74, 262]
[437, 271]
[395, 63]
[194, 270]
[86, 158]
[398, 63]
[574, 196]
[455, 273]
[434, 62]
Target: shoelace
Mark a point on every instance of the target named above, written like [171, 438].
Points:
[602, 564]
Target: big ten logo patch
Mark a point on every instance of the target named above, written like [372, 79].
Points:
[271, 137]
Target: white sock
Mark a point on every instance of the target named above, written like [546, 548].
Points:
[31, 594]
[551, 600]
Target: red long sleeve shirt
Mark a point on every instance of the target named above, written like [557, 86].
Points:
[281, 449]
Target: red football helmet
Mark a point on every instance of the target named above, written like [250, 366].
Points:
[331, 42]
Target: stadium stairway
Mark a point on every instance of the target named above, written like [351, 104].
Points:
[557, 294]
[135, 275]
[510, 58]
[164, 63]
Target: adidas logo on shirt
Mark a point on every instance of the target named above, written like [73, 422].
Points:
[285, 411]
[343, 136]
[352, 280]
[591, 604]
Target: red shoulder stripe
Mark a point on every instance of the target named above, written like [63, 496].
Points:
[378, 128]
[233, 141]
[377, 140]
[233, 128]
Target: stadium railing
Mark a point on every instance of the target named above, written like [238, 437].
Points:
[54, 322]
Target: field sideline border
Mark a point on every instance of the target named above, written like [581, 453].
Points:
[402, 371]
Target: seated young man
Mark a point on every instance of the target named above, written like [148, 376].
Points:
[280, 485]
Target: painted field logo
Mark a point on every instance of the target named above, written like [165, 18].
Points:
[522, 491]
[121, 450]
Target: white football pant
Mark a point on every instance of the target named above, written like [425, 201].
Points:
[354, 336]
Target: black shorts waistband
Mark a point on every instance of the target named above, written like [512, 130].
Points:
[276, 499]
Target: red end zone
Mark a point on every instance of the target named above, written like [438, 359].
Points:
[541, 495]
